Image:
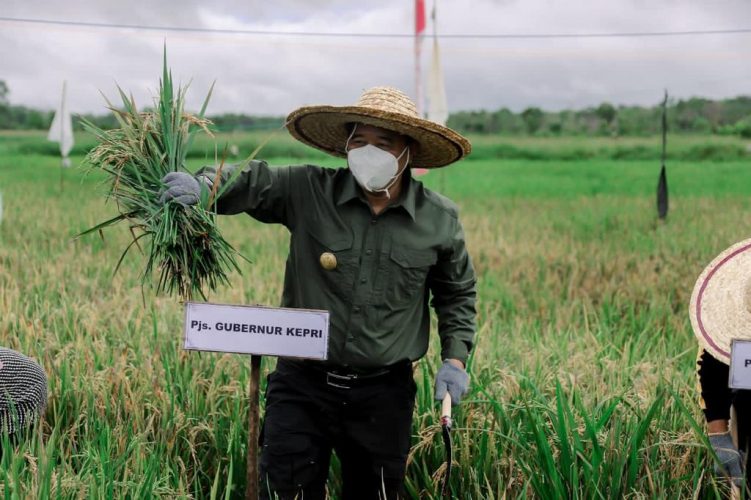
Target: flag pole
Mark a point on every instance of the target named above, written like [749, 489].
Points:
[435, 60]
[62, 134]
[418, 84]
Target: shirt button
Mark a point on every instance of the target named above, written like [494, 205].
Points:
[373, 221]
[363, 280]
[368, 251]
[356, 309]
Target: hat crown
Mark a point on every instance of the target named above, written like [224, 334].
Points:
[388, 99]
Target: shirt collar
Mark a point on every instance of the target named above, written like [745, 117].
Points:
[407, 200]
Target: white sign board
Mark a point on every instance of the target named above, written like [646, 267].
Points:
[740, 364]
[271, 331]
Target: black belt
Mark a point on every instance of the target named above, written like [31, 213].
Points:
[344, 377]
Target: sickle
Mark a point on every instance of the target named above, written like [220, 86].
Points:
[446, 431]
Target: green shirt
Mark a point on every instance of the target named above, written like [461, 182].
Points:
[386, 265]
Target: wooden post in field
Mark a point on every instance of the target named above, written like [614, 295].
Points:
[307, 337]
[251, 485]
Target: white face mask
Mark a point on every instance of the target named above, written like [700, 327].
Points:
[373, 168]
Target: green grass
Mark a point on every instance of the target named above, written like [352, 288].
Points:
[485, 147]
[582, 380]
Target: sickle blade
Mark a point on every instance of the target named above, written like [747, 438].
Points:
[446, 431]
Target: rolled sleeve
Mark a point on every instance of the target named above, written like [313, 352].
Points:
[256, 189]
[452, 283]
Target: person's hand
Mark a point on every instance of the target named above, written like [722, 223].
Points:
[452, 379]
[729, 462]
[180, 187]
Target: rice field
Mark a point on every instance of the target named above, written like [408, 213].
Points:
[582, 378]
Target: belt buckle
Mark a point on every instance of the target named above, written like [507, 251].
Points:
[336, 380]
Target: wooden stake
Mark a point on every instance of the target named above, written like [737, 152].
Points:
[251, 485]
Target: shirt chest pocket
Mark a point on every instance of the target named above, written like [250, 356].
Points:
[334, 261]
[407, 271]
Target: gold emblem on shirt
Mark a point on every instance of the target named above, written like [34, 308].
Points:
[328, 261]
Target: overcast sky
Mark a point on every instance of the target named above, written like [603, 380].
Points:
[275, 74]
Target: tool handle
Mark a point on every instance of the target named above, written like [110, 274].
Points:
[446, 406]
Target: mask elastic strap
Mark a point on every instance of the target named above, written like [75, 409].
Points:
[346, 144]
[393, 181]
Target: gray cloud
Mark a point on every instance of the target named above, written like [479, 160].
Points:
[272, 75]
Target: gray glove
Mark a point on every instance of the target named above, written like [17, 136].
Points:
[729, 462]
[182, 188]
[453, 380]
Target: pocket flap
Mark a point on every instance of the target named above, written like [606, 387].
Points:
[408, 257]
[335, 243]
[292, 444]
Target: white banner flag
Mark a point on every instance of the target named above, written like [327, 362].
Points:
[437, 107]
[61, 130]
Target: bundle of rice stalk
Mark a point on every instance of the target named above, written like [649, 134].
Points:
[182, 243]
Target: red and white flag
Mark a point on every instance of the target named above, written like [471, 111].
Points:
[419, 31]
[419, 17]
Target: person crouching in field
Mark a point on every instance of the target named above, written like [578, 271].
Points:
[717, 400]
[720, 312]
[369, 244]
[23, 392]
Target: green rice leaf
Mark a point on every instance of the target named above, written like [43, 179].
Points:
[185, 253]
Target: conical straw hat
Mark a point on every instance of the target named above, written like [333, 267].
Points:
[720, 307]
[326, 127]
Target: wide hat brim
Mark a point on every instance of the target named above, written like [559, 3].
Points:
[326, 128]
[720, 306]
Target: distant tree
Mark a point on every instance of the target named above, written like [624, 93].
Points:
[701, 125]
[712, 111]
[743, 128]
[606, 112]
[509, 123]
[4, 91]
[533, 119]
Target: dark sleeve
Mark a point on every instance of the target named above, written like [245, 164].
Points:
[452, 283]
[713, 383]
[260, 191]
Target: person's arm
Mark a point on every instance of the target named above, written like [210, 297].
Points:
[716, 399]
[257, 189]
[452, 283]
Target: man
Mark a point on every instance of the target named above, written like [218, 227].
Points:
[717, 399]
[368, 244]
[719, 313]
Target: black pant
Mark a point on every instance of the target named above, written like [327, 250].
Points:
[742, 405]
[368, 425]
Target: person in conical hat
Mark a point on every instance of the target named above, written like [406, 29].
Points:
[720, 312]
[371, 245]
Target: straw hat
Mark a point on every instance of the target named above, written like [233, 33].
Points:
[325, 127]
[720, 307]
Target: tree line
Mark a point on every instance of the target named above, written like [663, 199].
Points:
[695, 115]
